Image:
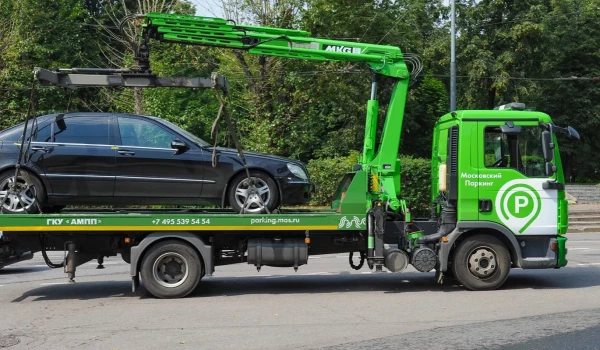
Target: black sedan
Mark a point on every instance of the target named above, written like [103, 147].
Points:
[123, 159]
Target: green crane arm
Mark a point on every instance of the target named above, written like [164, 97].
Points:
[384, 60]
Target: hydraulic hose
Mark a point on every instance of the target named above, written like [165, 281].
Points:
[363, 256]
[45, 256]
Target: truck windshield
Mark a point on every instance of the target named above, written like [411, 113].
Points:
[522, 152]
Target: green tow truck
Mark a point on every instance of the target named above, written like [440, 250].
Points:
[497, 200]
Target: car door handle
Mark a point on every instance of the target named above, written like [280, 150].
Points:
[126, 153]
[40, 149]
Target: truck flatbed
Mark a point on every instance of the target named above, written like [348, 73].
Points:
[179, 220]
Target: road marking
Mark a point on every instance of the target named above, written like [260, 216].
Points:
[405, 281]
[270, 277]
[366, 272]
[588, 264]
[314, 257]
[2, 285]
[52, 284]
[579, 248]
[40, 265]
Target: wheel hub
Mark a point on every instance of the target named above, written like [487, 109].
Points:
[482, 262]
[170, 270]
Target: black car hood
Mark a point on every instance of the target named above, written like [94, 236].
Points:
[256, 154]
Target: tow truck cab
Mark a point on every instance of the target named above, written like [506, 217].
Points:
[499, 171]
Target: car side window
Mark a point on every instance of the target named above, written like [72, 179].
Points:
[43, 133]
[143, 133]
[79, 129]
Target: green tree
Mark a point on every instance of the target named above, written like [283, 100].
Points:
[42, 33]
[572, 40]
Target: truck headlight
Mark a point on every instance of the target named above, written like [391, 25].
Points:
[297, 171]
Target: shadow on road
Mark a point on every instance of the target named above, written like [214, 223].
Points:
[21, 270]
[411, 282]
[79, 291]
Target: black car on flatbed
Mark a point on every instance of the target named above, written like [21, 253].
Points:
[125, 159]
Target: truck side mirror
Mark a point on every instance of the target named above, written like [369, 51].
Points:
[572, 133]
[549, 169]
[547, 146]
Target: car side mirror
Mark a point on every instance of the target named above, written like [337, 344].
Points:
[179, 146]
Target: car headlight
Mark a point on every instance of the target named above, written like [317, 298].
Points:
[297, 171]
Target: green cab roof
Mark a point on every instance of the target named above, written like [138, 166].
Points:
[495, 115]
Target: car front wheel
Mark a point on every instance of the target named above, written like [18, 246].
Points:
[26, 199]
[256, 195]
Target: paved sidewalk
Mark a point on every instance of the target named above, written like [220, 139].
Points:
[577, 208]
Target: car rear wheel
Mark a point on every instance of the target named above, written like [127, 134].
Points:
[255, 195]
[26, 199]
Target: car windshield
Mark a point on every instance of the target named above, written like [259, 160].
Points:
[187, 134]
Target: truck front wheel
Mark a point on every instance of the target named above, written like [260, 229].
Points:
[171, 269]
[481, 262]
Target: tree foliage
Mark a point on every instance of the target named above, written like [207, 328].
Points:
[507, 50]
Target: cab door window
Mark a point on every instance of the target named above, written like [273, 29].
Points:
[522, 152]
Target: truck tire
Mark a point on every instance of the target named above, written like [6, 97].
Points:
[171, 269]
[481, 262]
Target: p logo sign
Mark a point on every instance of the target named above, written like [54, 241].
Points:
[518, 205]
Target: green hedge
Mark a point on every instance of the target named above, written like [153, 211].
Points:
[327, 173]
[416, 183]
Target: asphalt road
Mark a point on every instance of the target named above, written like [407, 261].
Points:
[324, 305]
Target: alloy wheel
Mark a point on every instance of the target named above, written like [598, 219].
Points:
[253, 195]
[13, 203]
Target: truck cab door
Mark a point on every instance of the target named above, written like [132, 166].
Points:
[511, 180]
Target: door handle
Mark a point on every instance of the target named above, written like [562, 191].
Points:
[126, 153]
[40, 149]
[553, 185]
[485, 205]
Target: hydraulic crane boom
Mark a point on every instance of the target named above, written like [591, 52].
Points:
[382, 166]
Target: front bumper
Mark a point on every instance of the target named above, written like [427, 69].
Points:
[295, 191]
[562, 251]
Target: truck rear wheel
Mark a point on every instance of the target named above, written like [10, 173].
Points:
[171, 269]
[481, 262]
